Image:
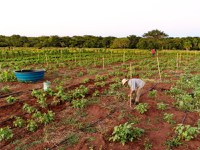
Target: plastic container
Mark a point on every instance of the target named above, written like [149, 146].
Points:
[29, 75]
[46, 85]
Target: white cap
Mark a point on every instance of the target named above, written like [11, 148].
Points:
[124, 81]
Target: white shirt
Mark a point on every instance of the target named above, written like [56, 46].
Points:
[135, 83]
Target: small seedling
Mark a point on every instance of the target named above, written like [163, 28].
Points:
[5, 133]
[11, 99]
[141, 108]
[32, 125]
[162, 106]
[168, 118]
[152, 94]
[19, 122]
[81, 103]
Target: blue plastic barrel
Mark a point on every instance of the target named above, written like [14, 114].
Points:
[29, 75]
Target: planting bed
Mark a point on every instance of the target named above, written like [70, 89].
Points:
[87, 101]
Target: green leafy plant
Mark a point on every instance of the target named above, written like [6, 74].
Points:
[152, 94]
[183, 133]
[11, 99]
[100, 84]
[147, 144]
[162, 106]
[80, 74]
[100, 77]
[125, 132]
[80, 103]
[28, 109]
[168, 118]
[86, 80]
[5, 133]
[32, 125]
[19, 122]
[5, 89]
[80, 92]
[96, 93]
[44, 118]
[141, 108]
[186, 132]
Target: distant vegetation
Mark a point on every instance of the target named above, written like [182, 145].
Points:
[152, 39]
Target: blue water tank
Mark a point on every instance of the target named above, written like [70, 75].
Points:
[29, 75]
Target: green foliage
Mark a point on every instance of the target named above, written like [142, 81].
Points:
[152, 94]
[125, 132]
[5, 89]
[141, 108]
[168, 118]
[155, 34]
[96, 93]
[72, 139]
[11, 99]
[32, 125]
[7, 76]
[80, 103]
[19, 122]
[80, 74]
[147, 145]
[100, 77]
[120, 43]
[44, 118]
[100, 84]
[28, 109]
[183, 133]
[86, 80]
[5, 133]
[162, 106]
[80, 92]
[186, 132]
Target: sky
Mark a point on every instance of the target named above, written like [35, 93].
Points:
[119, 18]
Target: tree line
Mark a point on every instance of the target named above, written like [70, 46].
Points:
[153, 39]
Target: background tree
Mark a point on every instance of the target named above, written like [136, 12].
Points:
[187, 45]
[133, 41]
[155, 34]
[120, 43]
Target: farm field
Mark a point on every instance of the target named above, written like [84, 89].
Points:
[86, 107]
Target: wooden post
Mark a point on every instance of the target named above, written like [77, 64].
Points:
[159, 68]
[61, 54]
[103, 63]
[46, 59]
[180, 60]
[95, 62]
[177, 62]
[130, 71]
[124, 58]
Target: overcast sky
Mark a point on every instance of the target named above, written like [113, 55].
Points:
[119, 18]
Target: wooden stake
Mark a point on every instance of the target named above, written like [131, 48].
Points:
[159, 68]
[130, 71]
[124, 58]
[46, 59]
[177, 62]
[103, 63]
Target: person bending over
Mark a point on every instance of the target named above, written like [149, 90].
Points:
[136, 86]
